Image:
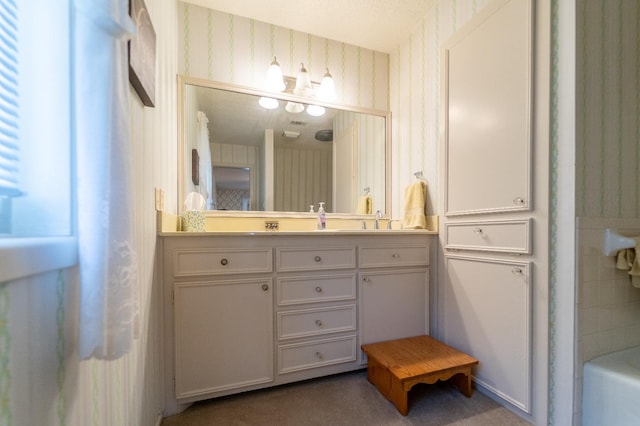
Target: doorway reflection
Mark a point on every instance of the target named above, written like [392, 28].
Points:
[233, 187]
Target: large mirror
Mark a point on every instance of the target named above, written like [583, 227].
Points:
[242, 156]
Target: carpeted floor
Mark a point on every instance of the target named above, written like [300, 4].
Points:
[345, 399]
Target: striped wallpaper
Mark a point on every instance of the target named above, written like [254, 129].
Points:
[415, 101]
[232, 49]
[607, 130]
[608, 108]
[42, 381]
[37, 315]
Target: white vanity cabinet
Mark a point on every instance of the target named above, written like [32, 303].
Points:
[394, 291]
[224, 339]
[222, 305]
[316, 308]
[246, 311]
[492, 286]
[488, 314]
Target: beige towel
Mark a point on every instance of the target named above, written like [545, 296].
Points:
[628, 260]
[364, 205]
[414, 206]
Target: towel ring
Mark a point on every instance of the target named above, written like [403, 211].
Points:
[419, 175]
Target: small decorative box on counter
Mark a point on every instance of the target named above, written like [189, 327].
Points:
[192, 219]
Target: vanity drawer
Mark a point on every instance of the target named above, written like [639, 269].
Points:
[384, 256]
[316, 288]
[210, 261]
[513, 236]
[310, 259]
[313, 322]
[318, 353]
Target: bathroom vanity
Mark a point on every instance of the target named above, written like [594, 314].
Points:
[249, 310]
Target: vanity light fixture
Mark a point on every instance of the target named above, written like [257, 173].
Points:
[294, 107]
[275, 79]
[303, 87]
[303, 83]
[268, 103]
[316, 110]
[327, 90]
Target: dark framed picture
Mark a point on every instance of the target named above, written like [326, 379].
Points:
[142, 53]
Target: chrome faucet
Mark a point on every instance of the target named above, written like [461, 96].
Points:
[378, 216]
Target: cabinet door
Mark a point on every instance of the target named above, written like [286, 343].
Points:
[394, 304]
[487, 112]
[223, 335]
[486, 313]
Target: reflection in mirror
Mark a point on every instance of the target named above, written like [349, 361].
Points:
[233, 188]
[293, 159]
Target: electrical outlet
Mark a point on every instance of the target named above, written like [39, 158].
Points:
[271, 225]
[159, 199]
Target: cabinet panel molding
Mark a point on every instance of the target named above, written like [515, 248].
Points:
[487, 94]
[393, 304]
[315, 288]
[393, 256]
[310, 259]
[487, 314]
[222, 340]
[317, 353]
[313, 322]
[509, 236]
[205, 261]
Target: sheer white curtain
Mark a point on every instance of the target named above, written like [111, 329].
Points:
[108, 275]
[207, 183]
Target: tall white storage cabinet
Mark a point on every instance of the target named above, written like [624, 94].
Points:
[493, 269]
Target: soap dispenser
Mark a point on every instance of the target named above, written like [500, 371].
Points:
[322, 219]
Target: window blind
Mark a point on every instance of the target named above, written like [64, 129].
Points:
[9, 135]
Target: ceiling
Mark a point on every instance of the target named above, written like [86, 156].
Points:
[380, 25]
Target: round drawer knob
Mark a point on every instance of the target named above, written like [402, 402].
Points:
[366, 279]
[318, 289]
[265, 287]
[319, 355]
[478, 230]
[319, 323]
[224, 262]
[318, 258]
[395, 255]
[517, 271]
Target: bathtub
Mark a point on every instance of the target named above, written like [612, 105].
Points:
[611, 389]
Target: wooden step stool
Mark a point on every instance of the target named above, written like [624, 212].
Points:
[395, 366]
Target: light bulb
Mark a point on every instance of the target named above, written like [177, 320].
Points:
[294, 107]
[275, 80]
[327, 90]
[315, 110]
[268, 103]
[303, 83]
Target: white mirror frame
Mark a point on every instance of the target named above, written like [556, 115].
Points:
[182, 158]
